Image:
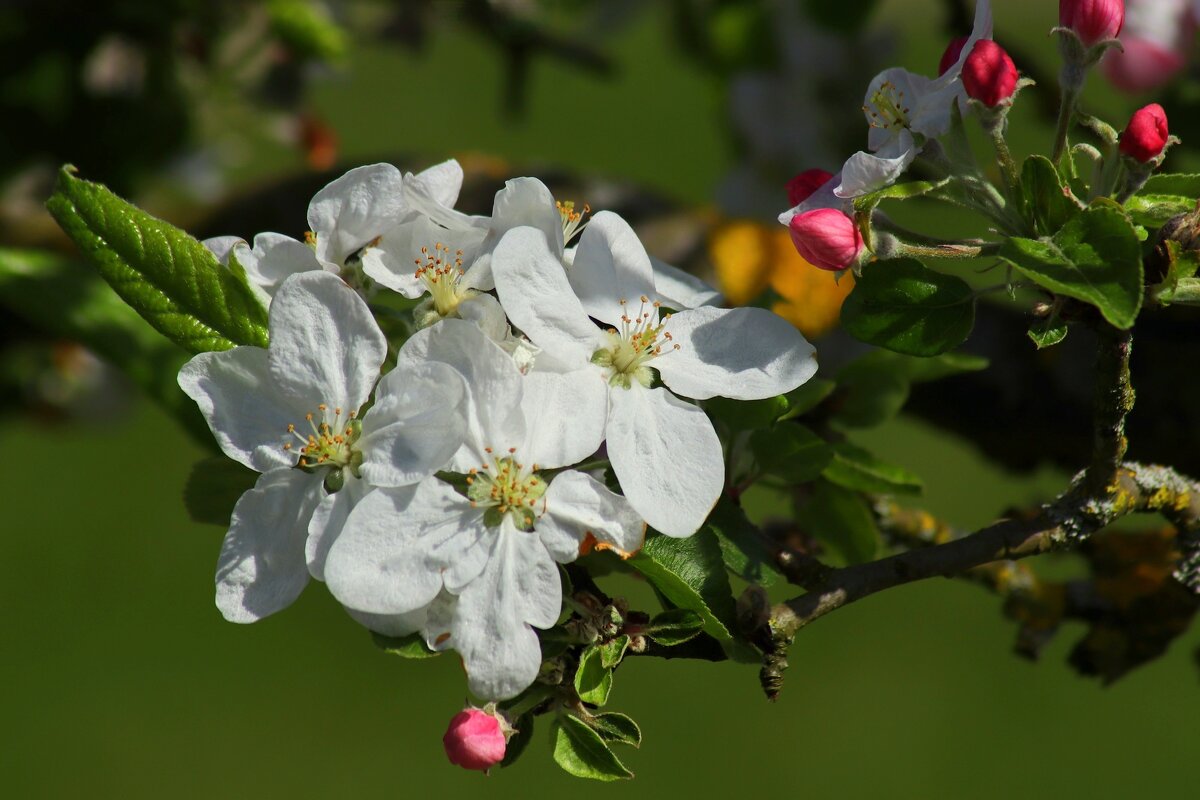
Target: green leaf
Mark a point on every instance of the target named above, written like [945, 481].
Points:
[213, 487]
[742, 545]
[411, 646]
[691, 574]
[64, 297]
[1049, 204]
[675, 626]
[1179, 285]
[806, 397]
[593, 680]
[611, 652]
[1153, 210]
[168, 277]
[307, 29]
[1174, 183]
[746, 415]
[1047, 332]
[855, 468]
[617, 728]
[896, 191]
[904, 306]
[1095, 258]
[873, 388]
[580, 751]
[790, 451]
[841, 520]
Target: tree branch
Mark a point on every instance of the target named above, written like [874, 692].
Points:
[1107, 490]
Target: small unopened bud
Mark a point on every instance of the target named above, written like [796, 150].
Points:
[950, 57]
[1142, 65]
[826, 238]
[1092, 20]
[1146, 134]
[989, 74]
[801, 187]
[475, 739]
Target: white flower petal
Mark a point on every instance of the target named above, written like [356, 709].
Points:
[417, 423]
[526, 202]
[491, 625]
[222, 245]
[378, 564]
[325, 345]
[864, 172]
[410, 245]
[486, 313]
[678, 289]
[823, 197]
[611, 270]
[261, 568]
[666, 456]
[246, 413]
[391, 624]
[328, 520]
[493, 381]
[274, 259]
[564, 415]
[578, 505]
[354, 209]
[441, 183]
[742, 353]
[534, 290]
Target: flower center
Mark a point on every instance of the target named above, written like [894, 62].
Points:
[506, 487]
[886, 108]
[628, 352]
[572, 220]
[441, 271]
[329, 445]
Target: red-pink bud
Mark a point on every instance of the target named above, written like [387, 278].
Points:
[826, 238]
[1092, 20]
[475, 740]
[1142, 65]
[950, 57]
[801, 187]
[1146, 134]
[988, 74]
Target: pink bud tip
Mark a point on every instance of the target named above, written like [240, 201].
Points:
[801, 187]
[1142, 66]
[988, 74]
[1146, 134]
[475, 740]
[826, 238]
[950, 57]
[1092, 20]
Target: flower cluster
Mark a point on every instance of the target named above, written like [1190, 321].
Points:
[435, 481]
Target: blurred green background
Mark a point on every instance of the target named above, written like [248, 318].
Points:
[122, 680]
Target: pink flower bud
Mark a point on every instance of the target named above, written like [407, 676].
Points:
[1092, 20]
[1146, 134]
[1142, 66]
[988, 74]
[826, 238]
[950, 57]
[801, 187]
[475, 740]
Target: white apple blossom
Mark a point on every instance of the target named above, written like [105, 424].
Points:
[291, 412]
[476, 572]
[663, 450]
[904, 110]
[346, 219]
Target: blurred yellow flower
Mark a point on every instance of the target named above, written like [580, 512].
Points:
[750, 256]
